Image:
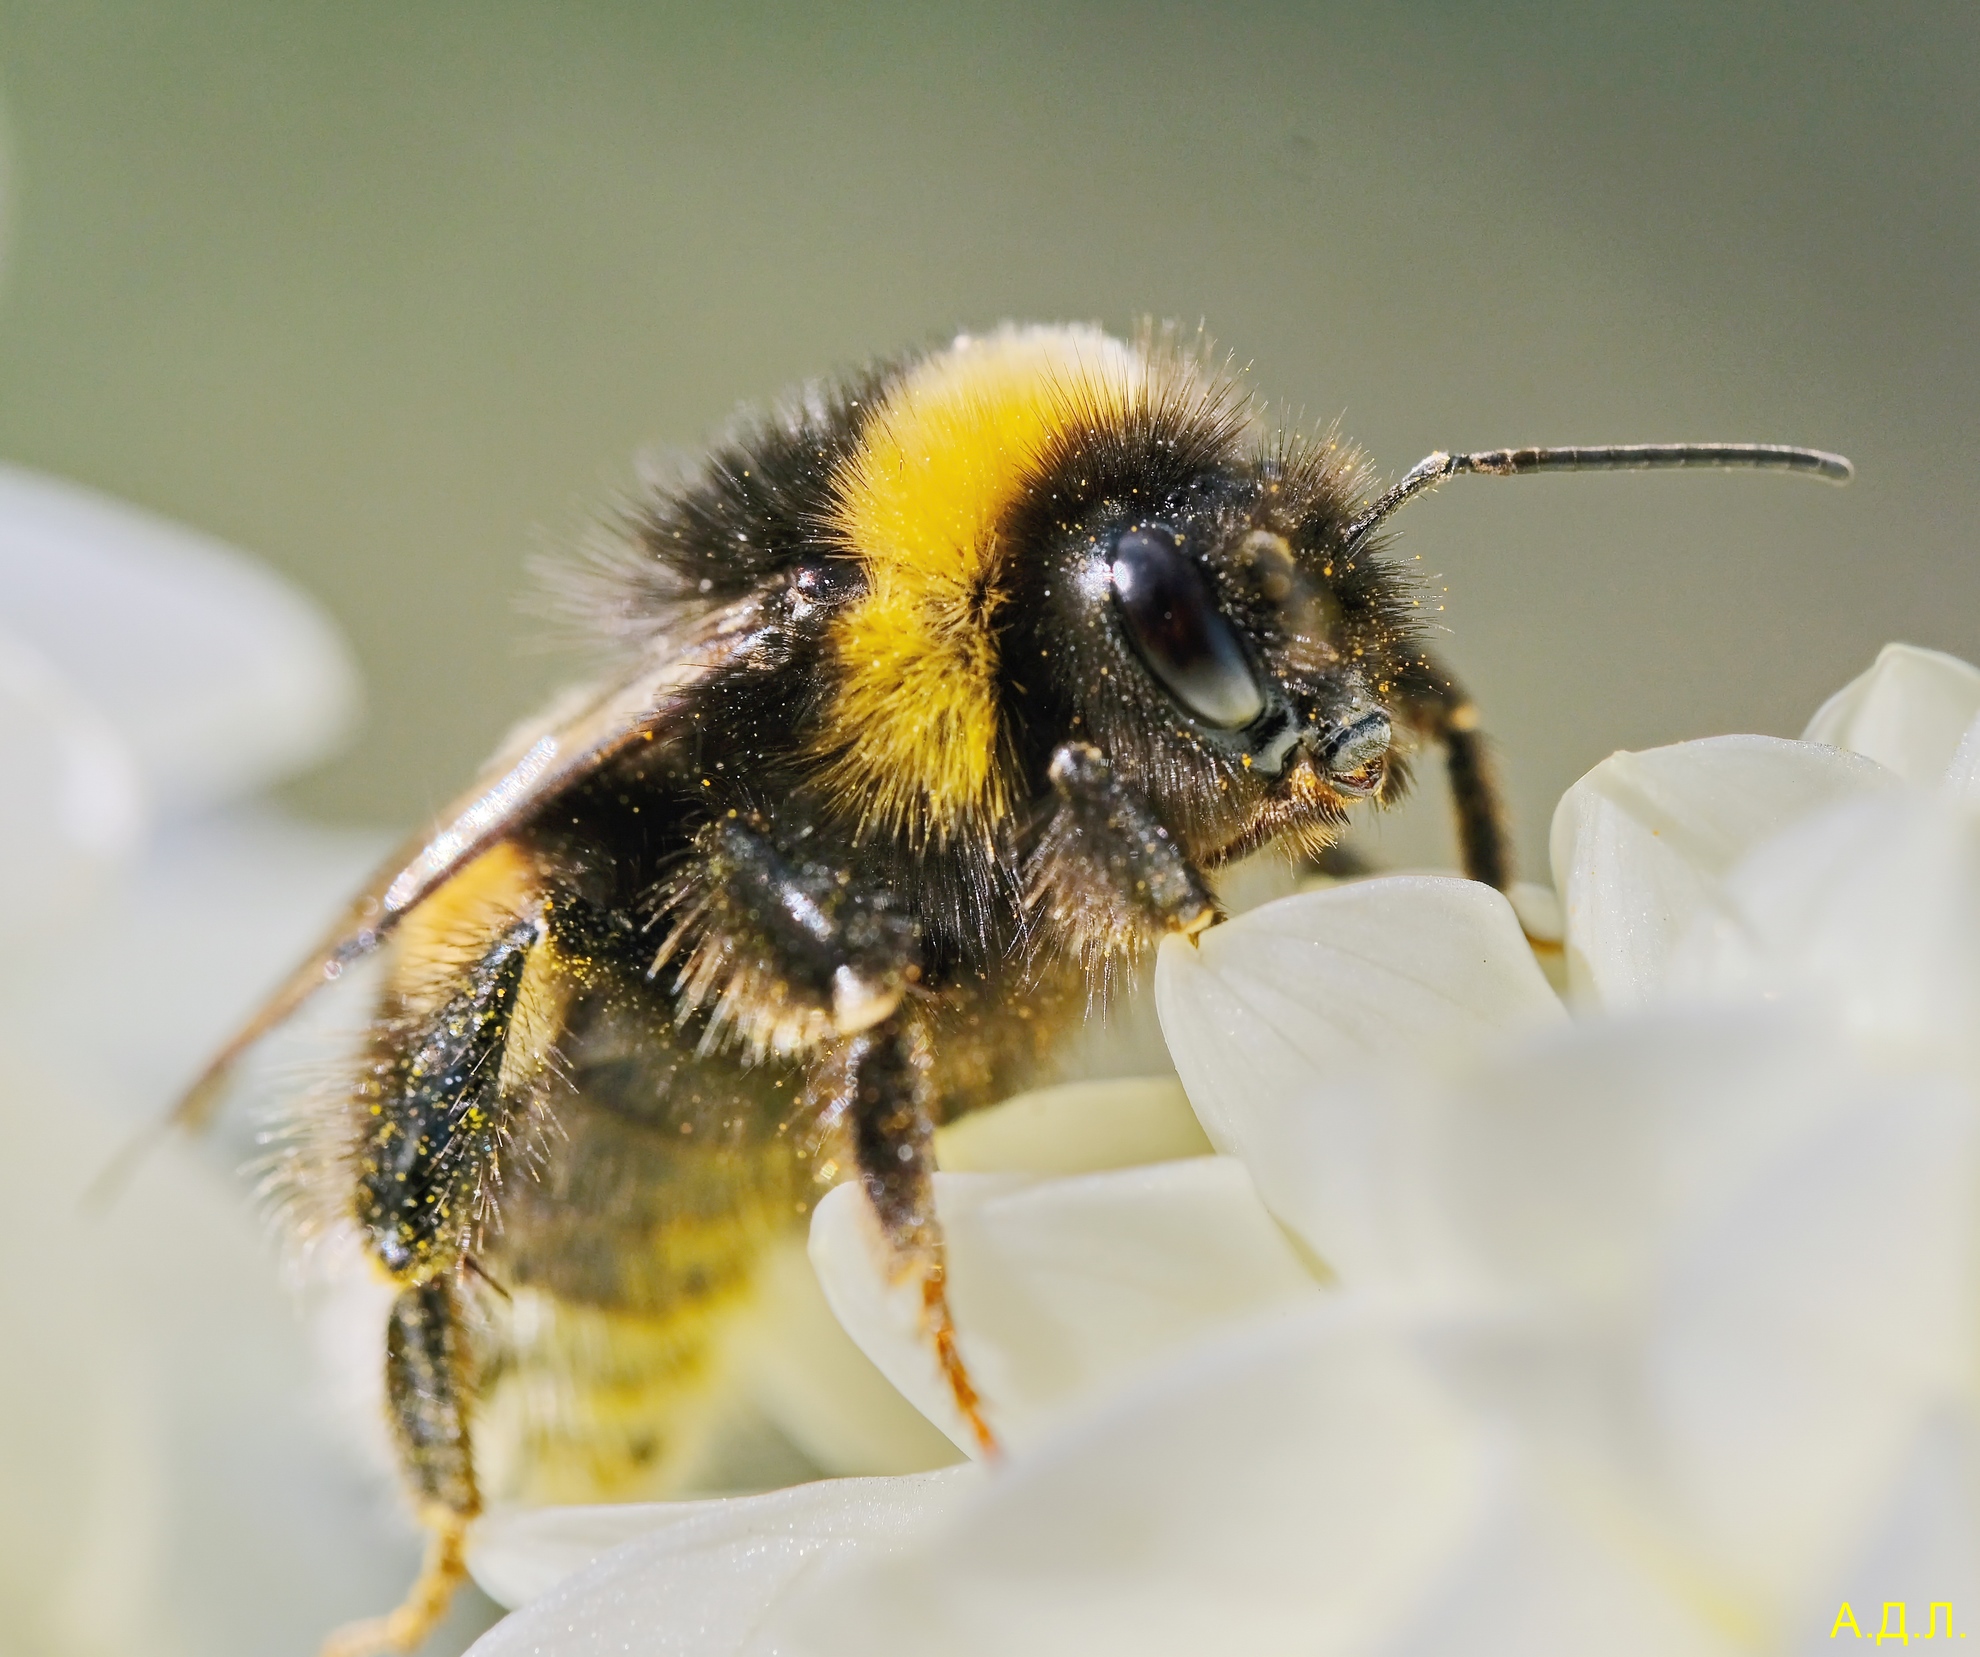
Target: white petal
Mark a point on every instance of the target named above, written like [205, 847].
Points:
[1639, 843]
[809, 1378]
[1919, 1544]
[1552, 1571]
[1577, 1166]
[1290, 1491]
[1962, 778]
[1062, 1287]
[1076, 1128]
[1412, 968]
[169, 1483]
[71, 810]
[518, 1554]
[219, 675]
[1907, 712]
[1804, 1337]
[688, 1579]
[1874, 909]
[1963, 771]
[1564, 1168]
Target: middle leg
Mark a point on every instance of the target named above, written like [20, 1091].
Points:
[876, 1088]
[781, 954]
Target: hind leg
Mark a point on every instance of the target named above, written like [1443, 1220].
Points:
[428, 1382]
[450, 1104]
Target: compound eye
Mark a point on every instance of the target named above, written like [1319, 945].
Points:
[1176, 628]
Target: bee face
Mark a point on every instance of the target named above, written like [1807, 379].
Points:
[1229, 654]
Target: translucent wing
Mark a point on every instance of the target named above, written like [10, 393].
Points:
[644, 704]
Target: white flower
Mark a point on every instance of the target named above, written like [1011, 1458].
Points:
[1847, 877]
[1488, 1330]
[167, 1485]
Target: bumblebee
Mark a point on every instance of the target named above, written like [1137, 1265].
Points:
[942, 692]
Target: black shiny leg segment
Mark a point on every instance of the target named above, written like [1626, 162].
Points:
[1107, 872]
[878, 1085]
[428, 1382]
[1436, 705]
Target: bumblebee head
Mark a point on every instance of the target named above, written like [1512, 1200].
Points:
[1258, 666]
[1228, 647]
[1043, 536]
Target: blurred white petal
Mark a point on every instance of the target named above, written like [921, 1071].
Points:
[204, 921]
[71, 810]
[82, 1431]
[809, 1378]
[1907, 712]
[1874, 909]
[1962, 778]
[1412, 968]
[218, 675]
[1918, 1543]
[1076, 1128]
[1639, 843]
[689, 1579]
[1539, 910]
[1293, 1490]
[1062, 1287]
[1561, 1167]
[171, 1487]
[1807, 1331]
[1549, 1569]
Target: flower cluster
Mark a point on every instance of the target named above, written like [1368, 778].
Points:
[1443, 1314]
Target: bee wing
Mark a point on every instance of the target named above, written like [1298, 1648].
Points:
[643, 705]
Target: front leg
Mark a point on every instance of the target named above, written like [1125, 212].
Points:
[1437, 706]
[1107, 874]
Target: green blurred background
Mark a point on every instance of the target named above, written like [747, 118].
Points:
[391, 294]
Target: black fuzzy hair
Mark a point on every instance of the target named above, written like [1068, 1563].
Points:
[750, 509]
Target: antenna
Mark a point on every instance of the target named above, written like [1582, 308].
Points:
[1627, 457]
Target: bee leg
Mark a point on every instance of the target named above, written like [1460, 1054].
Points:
[452, 1102]
[427, 1385]
[1436, 705]
[777, 946]
[1107, 872]
[878, 1084]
